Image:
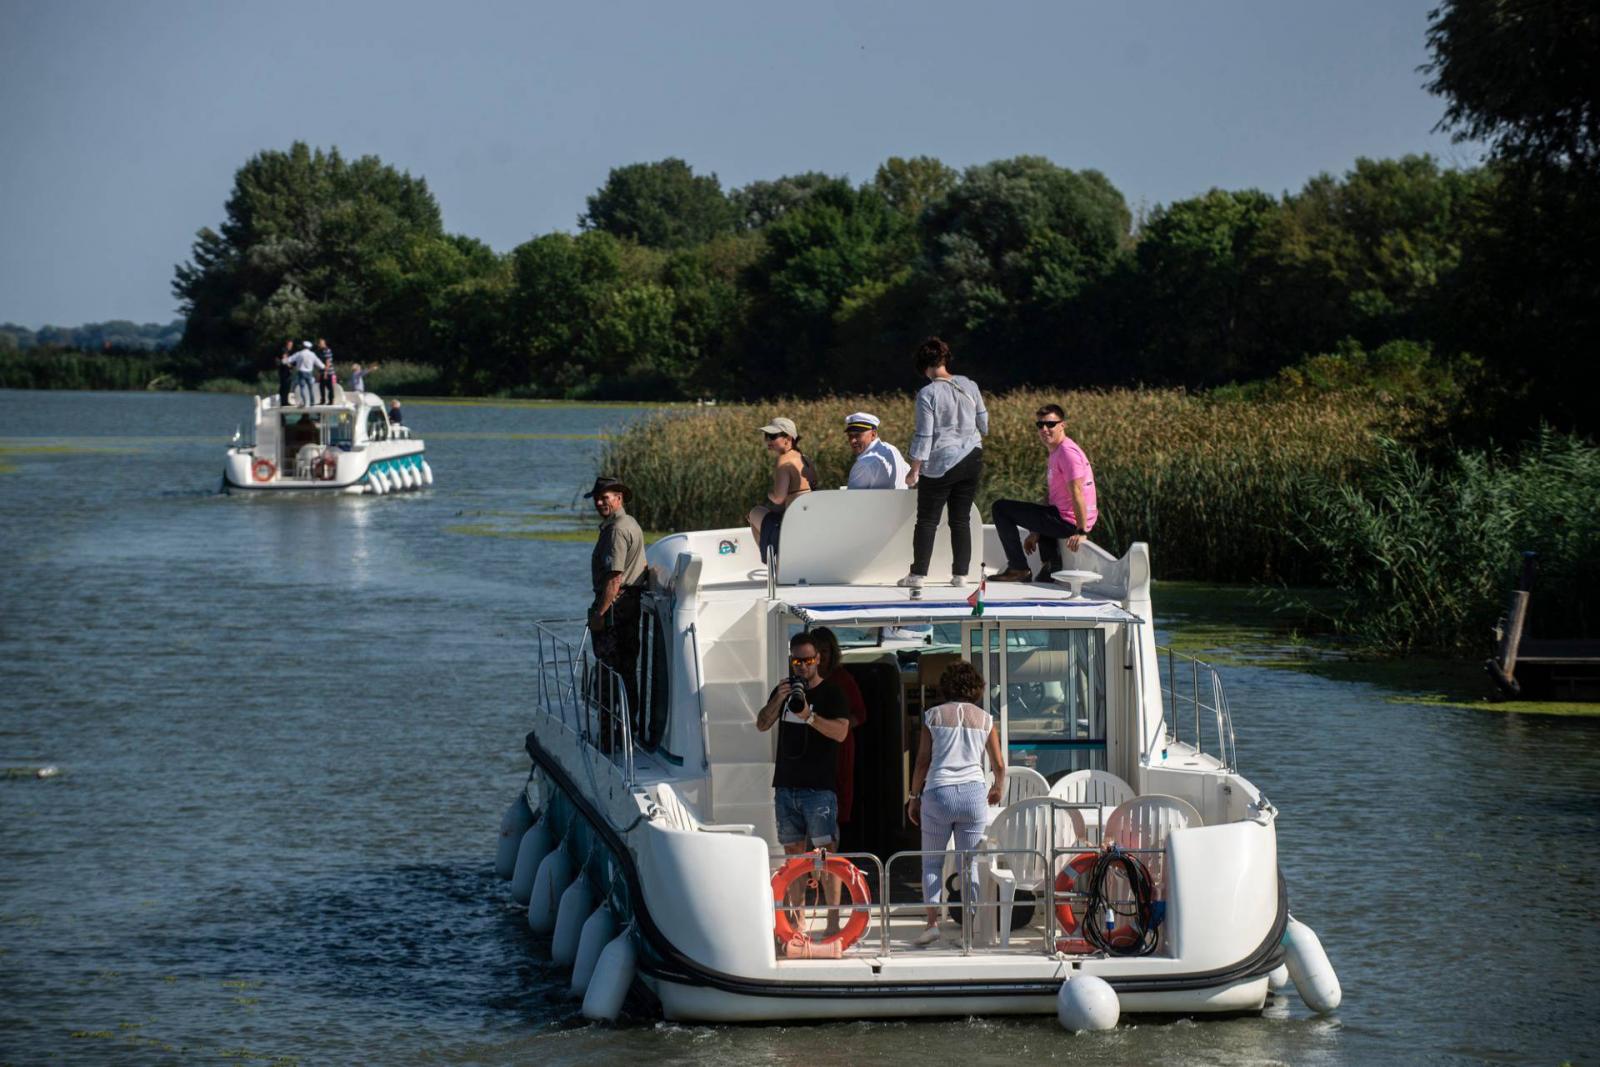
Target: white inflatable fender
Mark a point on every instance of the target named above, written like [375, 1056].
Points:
[576, 903]
[537, 841]
[555, 874]
[407, 477]
[427, 473]
[613, 977]
[1313, 976]
[374, 482]
[383, 478]
[513, 824]
[597, 930]
[1278, 978]
[1085, 1002]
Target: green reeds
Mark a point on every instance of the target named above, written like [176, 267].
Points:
[1215, 485]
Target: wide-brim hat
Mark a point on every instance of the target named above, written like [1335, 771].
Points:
[783, 426]
[605, 484]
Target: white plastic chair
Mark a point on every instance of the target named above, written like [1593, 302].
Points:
[1023, 783]
[1100, 788]
[1034, 827]
[1144, 823]
[677, 815]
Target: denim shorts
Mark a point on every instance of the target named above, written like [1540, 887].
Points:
[807, 816]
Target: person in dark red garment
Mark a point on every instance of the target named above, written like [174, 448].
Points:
[828, 648]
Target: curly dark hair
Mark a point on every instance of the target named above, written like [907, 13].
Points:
[932, 352]
[961, 681]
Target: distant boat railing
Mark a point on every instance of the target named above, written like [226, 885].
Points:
[588, 696]
[1195, 705]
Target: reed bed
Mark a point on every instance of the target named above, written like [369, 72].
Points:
[1214, 484]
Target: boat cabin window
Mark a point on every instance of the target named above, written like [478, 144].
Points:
[655, 694]
[1055, 698]
[300, 430]
[377, 425]
[341, 431]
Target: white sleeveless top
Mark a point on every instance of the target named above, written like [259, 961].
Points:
[959, 733]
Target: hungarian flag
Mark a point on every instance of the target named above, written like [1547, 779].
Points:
[976, 599]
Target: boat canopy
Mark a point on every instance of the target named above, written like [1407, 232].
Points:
[858, 606]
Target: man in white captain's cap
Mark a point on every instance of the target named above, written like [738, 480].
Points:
[878, 465]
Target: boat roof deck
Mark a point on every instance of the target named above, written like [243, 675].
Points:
[862, 603]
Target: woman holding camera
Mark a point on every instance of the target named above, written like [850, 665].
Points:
[947, 787]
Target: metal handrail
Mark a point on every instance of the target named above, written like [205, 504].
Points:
[1205, 697]
[586, 695]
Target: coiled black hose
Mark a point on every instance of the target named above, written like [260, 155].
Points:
[1136, 927]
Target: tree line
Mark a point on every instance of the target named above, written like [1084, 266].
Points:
[673, 286]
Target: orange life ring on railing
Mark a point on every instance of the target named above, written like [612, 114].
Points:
[263, 470]
[847, 873]
[1067, 882]
[325, 467]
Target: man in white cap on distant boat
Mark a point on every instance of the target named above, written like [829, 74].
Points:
[878, 465]
[305, 362]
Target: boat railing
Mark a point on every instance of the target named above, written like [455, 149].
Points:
[1030, 915]
[586, 695]
[1196, 707]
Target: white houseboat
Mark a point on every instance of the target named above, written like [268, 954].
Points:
[348, 446]
[645, 841]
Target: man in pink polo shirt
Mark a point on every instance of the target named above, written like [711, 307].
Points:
[1071, 512]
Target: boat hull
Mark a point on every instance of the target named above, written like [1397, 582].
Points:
[354, 475]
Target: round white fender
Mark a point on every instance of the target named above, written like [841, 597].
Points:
[597, 930]
[537, 841]
[427, 473]
[393, 478]
[575, 905]
[1278, 977]
[613, 977]
[406, 477]
[374, 482]
[383, 479]
[555, 873]
[1085, 1002]
[513, 824]
[1308, 966]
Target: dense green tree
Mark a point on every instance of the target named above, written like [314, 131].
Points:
[761, 203]
[912, 185]
[305, 237]
[1011, 252]
[558, 282]
[661, 205]
[1202, 278]
[1523, 75]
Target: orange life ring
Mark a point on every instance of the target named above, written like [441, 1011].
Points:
[1067, 882]
[1081, 864]
[263, 470]
[803, 867]
[325, 467]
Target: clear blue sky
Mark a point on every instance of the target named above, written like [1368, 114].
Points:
[123, 123]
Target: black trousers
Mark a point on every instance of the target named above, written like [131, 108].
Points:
[327, 390]
[617, 646]
[1042, 519]
[957, 488]
[283, 386]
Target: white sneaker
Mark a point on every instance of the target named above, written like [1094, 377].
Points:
[958, 580]
[911, 581]
[928, 936]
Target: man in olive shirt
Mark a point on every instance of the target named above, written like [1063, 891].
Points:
[617, 570]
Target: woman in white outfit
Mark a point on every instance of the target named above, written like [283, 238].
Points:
[947, 787]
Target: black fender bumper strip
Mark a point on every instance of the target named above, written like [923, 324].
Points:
[663, 960]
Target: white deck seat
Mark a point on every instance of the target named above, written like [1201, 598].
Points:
[1145, 823]
[675, 813]
[1100, 788]
[1023, 783]
[1036, 825]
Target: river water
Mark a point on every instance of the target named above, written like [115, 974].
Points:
[286, 729]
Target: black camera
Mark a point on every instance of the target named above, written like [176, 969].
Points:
[796, 700]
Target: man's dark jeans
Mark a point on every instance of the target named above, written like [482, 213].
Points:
[957, 487]
[1042, 519]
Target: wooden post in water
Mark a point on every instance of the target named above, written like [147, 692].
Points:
[1503, 668]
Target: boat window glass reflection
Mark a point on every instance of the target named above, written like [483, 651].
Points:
[655, 693]
[377, 425]
[1056, 699]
